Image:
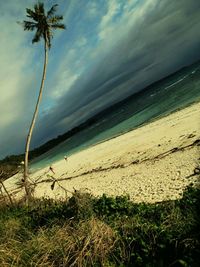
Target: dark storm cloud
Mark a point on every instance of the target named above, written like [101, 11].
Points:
[167, 38]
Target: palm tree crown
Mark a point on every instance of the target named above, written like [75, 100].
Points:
[43, 23]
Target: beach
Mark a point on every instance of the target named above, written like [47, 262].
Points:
[153, 163]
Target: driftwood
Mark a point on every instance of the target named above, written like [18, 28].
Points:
[6, 191]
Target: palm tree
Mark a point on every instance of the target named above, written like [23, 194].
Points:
[43, 23]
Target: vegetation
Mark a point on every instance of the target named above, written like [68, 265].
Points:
[88, 231]
[7, 170]
[43, 23]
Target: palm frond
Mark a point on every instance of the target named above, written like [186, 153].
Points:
[58, 26]
[51, 11]
[55, 19]
[44, 23]
[31, 14]
[39, 8]
[29, 25]
[37, 36]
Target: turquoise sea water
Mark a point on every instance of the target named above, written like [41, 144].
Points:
[160, 99]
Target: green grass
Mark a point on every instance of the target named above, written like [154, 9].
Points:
[105, 231]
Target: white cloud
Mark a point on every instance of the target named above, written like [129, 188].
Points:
[112, 9]
[66, 80]
[65, 75]
[92, 9]
[82, 41]
[119, 20]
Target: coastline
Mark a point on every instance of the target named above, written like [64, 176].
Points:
[152, 163]
[158, 117]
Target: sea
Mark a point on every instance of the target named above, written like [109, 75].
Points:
[168, 95]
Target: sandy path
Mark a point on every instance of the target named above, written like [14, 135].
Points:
[152, 163]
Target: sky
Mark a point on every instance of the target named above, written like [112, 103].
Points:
[110, 50]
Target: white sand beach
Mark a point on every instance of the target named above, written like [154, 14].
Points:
[151, 164]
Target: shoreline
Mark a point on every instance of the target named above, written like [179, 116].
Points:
[151, 163]
[122, 133]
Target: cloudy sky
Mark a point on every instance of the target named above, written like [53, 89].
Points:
[111, 49]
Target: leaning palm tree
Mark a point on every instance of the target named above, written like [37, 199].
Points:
[43, 23]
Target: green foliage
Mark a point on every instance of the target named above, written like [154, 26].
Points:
[109, 206]
[43, 24]
[104, 231]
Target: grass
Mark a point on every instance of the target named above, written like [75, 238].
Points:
[105, 231]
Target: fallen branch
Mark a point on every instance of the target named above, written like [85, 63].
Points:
[6, 191]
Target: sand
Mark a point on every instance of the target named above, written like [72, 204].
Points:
[153, 163]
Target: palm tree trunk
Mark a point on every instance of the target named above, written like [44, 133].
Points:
[28, 140]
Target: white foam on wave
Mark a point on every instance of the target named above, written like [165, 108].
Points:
[180, 80]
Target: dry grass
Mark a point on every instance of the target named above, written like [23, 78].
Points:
[87, 243]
